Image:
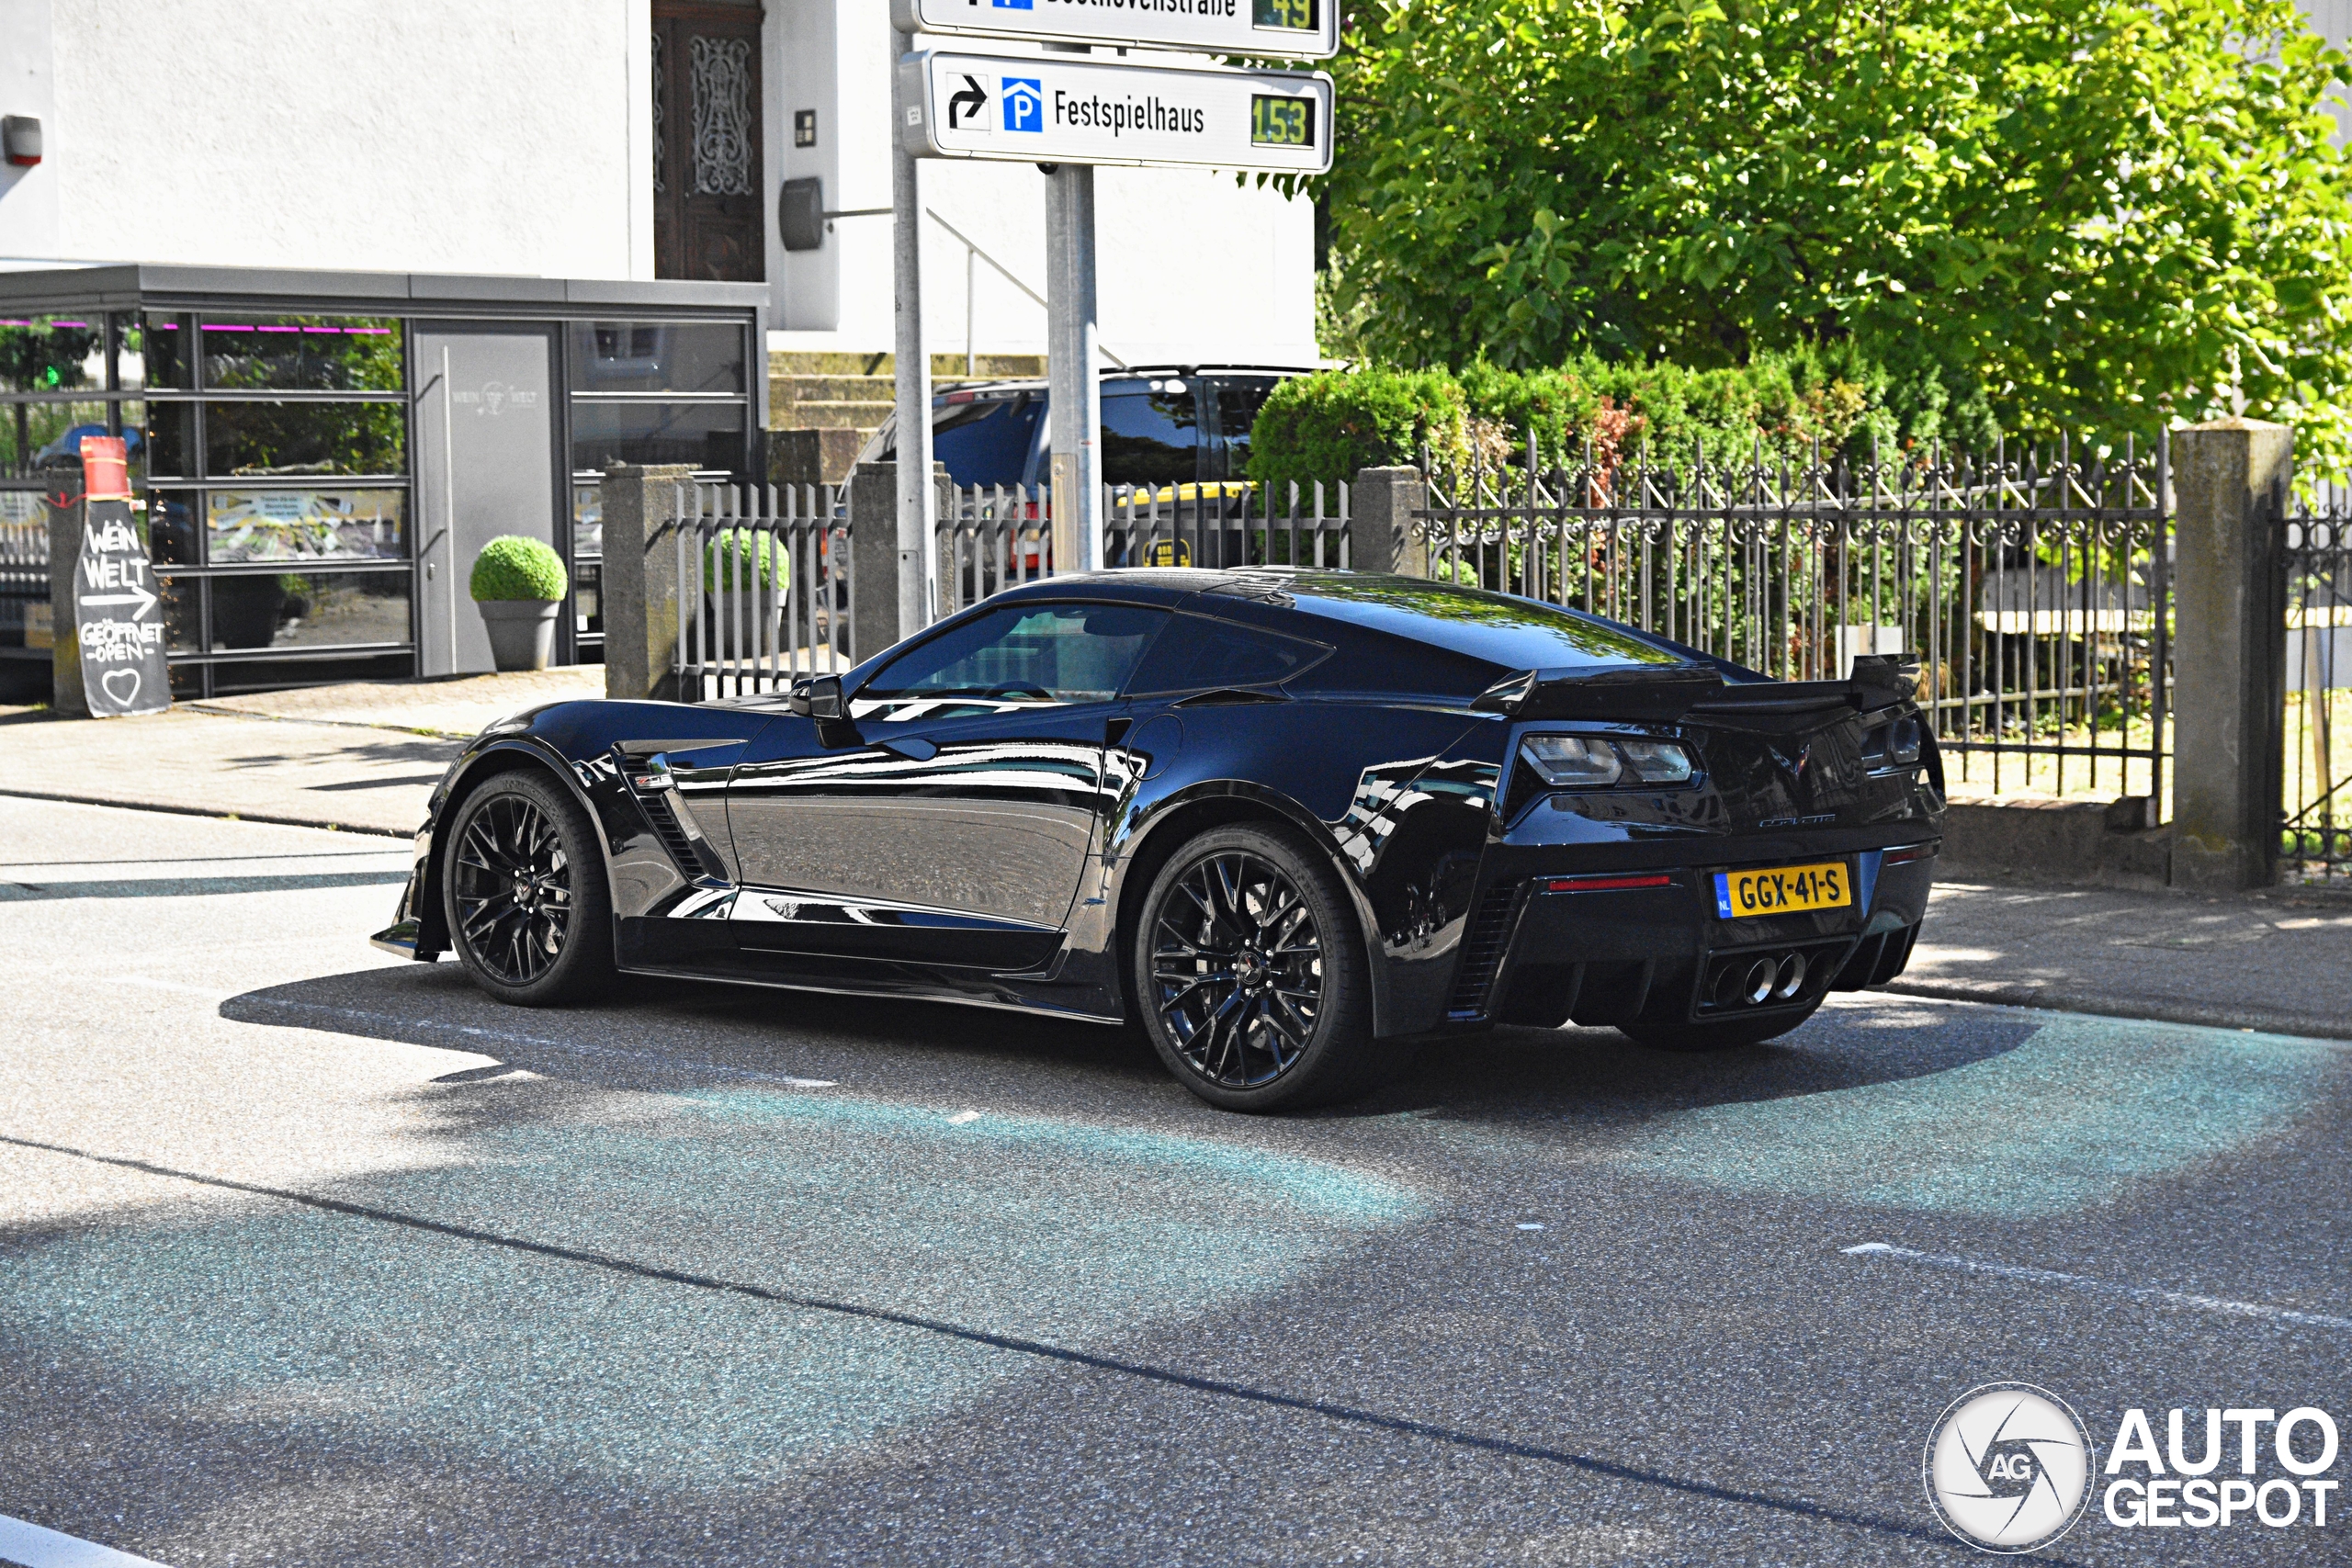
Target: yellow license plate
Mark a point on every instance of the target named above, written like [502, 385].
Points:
[1782, 890]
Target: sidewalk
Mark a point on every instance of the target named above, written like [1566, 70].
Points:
[362, 757]
[2279, 960]
[365, 757]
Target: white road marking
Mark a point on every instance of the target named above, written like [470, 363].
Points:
[963, 1116]
[568, 1047]
[34, 1547]
[2098, 1287]
[1530, 1226]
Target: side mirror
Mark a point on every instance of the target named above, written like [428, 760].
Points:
[824, 697]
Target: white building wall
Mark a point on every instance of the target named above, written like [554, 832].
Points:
[1192, 267]
[2332, 19]
[500, 136]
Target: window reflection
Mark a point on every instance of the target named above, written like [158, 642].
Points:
[707, 436]
[657, 357]
[52, 354]
[313, 609]
[306, 525]
[171, 528]
[43, 441]
[284, 439]
[183, 625]
[320, 353]
[1150, 438]
[155, 350]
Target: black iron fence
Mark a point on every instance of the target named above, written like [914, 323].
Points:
[995, 537]
[2316, 842]
[2032, 586]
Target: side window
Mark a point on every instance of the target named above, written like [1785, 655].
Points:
[1021, 656]
[1150, 438]
[1238, 403]
[1198, 654]
[985, 442]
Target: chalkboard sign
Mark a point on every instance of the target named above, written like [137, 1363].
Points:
[117, 613]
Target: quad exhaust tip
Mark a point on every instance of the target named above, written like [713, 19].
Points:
[1772, 977]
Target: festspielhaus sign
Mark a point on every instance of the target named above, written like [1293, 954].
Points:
[1074, 109]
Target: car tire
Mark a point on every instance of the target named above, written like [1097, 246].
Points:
[1250, 978]
[1725, 1037]
[523, 887]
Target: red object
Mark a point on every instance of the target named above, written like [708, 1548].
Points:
[1909, 853]
[106, 468]
[1605, 884]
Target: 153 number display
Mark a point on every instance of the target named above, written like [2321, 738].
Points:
[1280, 121]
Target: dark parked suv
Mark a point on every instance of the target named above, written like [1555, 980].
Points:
[1161, 424]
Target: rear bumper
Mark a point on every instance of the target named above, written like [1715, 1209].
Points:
[1602, 955]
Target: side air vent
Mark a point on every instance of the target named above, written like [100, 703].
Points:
[692, 860]
[1482, 949]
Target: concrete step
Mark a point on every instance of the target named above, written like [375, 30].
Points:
[799, 388]
[991, 367]
[867, 416]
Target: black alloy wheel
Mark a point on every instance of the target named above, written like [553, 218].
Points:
[1248, 975]
[524, 889]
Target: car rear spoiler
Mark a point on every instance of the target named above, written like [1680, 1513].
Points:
[1664, 693]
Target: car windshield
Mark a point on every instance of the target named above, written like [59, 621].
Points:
[1020, 656]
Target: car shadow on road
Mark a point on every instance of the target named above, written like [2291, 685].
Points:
[672, 1034]
[1512, 1074]
[668, 1034]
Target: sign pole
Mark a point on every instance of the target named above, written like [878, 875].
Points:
[1076, 390]
[916, 491]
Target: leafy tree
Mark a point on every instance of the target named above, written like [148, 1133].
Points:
[2071, 214]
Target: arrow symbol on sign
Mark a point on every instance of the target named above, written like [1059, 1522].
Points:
[974, 96]
[139, 596]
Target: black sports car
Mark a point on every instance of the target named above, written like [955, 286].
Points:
[1285, 821]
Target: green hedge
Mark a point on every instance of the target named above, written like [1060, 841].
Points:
[1328, 425]
[744, 557]
[512, 567]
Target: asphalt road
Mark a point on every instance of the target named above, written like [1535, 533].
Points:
[307, 1255]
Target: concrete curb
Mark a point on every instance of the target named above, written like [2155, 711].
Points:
[2042, 998]
[272, 820]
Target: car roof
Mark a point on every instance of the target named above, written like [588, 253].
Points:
[972, 391]
[1500, 629]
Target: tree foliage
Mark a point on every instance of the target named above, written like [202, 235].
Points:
[2099, 214]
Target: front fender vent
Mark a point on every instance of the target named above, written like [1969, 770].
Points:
[1483, 946]
[693, 861]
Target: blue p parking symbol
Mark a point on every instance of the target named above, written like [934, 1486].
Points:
[1024, 104]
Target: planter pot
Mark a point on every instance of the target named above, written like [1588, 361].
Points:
[246, 611]
[742, 622]
[522, 631]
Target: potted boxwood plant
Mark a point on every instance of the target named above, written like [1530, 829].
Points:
[745, 575]
[518, 585]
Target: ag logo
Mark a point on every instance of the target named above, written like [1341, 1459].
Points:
[1024, 104]
[2007, 1467]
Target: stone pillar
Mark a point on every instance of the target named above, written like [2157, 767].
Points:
[65, 697]
[2230, 481]
[640, 583]
[874, 558]
[1381, 534]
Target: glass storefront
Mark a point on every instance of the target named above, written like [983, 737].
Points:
[273, 453]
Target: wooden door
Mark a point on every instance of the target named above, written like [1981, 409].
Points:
[706, 122]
